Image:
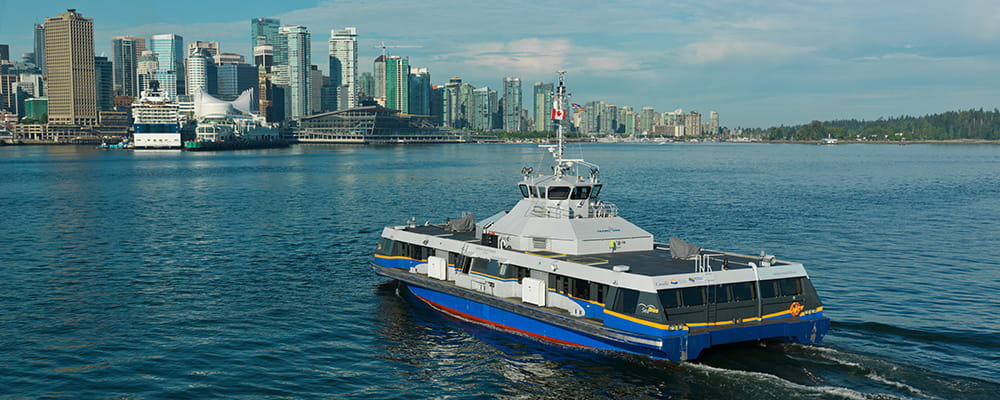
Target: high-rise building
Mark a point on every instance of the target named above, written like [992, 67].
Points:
[4, 52]
[420, 91]
[145, 71]
[378, 70]
[263, 56]
[344, 65]
[200, 70]
[104, 84]
[450, 108]
[397, 83]
[316, 90]
[169, 50]
[609, 119]
[592, 117]
[713, 123]
[543, 107]
[437, 105]
[626, 119]
[299, 62]
[466, 103]
[230, 58]
[125, 52]
[265, 30]
[646, 120]
[366, 84]
[200, 47]
[512, 100]
[234, 78]
[40, 47]
[69, 58]
[483, 108]
[692, 124]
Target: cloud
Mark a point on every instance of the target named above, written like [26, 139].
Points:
[539, 55]
[716, 51]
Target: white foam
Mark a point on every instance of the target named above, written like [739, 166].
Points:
[830, 390]
[878, 378]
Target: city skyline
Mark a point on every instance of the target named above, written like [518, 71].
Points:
[781, 64]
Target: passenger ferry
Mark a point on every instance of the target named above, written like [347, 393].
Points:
[562, 265]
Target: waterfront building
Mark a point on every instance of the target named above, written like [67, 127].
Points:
[366, 84]
[713, 123]
[104, 84]
[36, 108]
[370, 125]
[265, 30]
[344, 65]
[646, 120]
[420, 91]
[169, 50]
[263, 58]
[628, 121]
[8, 94]
[466, 102]
[378, 69]
[69, 57]
[592, 117]
[450, 106]
[299, 85]
[39, 37]
[543, 107]
[692, 124]
[201, 47]
[609, 119]
[125, 53]
[484, 102]
[512, 104]
[397, 83]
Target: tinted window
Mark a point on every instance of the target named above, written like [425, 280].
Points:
[559, 192]
[790, 287]
[767, 289]
[668, 298]
[596, 191]
[693, 296]
[524, 190]
[741, 291]
[718, 294]
[628, 299]
[384, 247]
[580, 193]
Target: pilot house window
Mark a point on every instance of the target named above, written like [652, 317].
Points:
[559, 193]
[580, 193]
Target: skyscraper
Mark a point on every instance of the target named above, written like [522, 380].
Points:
[512, 100]
[40, 47]
[543, 107]
[299, 61]
[125, 52]
[4, 52]
[482, 118]
[450, 107]
[69, 57]
[104, 84]
[397, 83]
[197, 70]
[420, 91]
[265, 30]
[646, 120]
[344, 65]
[169, 50]
[378, 70]
[234, 78]
[366, 84]
[145, 71]
[713, 123]
[198, 47]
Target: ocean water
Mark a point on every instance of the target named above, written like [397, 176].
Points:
[149, 275]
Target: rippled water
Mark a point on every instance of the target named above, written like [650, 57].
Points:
[244, 274]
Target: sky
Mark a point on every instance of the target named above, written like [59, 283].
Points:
[757, 63]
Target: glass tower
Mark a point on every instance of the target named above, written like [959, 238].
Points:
[543, 106]
[265, 30]
[397, 83]
[125, 52]
[344, 65]
[512, 104]
[299, 87]
[169, 50]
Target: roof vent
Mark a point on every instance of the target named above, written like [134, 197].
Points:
[620, 268]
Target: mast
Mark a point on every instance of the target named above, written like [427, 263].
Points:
[558, 114]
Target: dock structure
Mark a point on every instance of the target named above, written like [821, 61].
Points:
[370, 125]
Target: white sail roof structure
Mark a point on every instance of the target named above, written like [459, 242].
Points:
[207, 106]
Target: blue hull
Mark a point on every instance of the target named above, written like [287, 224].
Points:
[675, 347]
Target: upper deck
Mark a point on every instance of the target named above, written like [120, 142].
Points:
[655, 262]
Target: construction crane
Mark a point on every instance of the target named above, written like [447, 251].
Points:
[383, 46]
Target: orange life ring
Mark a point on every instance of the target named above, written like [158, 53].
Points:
[795, 309]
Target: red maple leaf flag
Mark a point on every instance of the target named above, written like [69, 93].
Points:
[558, 114]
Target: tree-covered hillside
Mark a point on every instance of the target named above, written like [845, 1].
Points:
[971, 124]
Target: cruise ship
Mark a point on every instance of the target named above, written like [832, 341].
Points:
[563, 266]
[156, 120]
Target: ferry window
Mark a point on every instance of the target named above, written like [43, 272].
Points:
[668, 298]
[627, 300]
[718, 294]
[480, 265]
[384, 247]
[580, 193]
[524, 190]
[601, 290]
[767, 289]
[534, 191]
[693, 296]
[790, 287]
[523, 273]
[596, 191]
[559, 192]
[741, 291]
[581, 289]
[466, 263]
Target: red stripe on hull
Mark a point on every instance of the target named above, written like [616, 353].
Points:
[491, 323]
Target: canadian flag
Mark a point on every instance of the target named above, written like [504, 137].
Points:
[558, 114]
